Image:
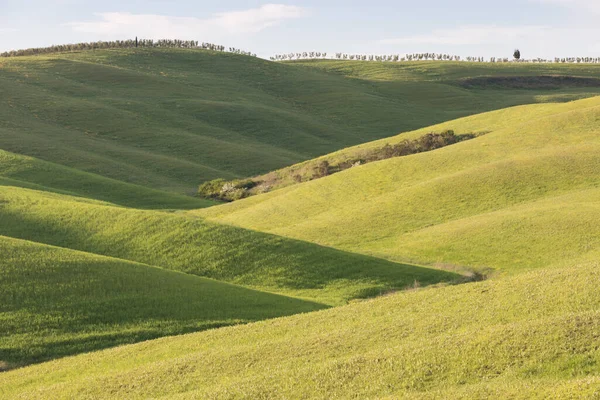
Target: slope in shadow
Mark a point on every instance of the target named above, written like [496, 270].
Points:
[57, 302]
[192, 245]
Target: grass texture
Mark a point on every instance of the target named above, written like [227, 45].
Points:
[189, 244]
[504, 338]
[524, 195]
[28, 172]
[57, 302]
[172, 118]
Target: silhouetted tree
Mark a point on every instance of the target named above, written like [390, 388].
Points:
[517, 54]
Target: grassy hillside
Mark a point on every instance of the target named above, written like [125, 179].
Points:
[23, 171]
[455, 72]
[56, 302]
[99, 248]
[190, 244]
[523, 195]
[505, 338]
[171, 119]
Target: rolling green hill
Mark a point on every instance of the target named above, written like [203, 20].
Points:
[504, 338]
[56, 302]
[191, 245]
[28, 172]
[101, 247]
[172, 118]
[524, 195]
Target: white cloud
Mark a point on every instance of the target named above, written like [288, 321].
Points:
[472, 35]
[155, 26]
[257, 19]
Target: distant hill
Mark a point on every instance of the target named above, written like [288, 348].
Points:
[172, 118]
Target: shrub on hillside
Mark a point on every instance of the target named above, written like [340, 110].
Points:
[220, 189]
[428, 142]
[238, 189]
[211, 189]
[321, 169]
[4, 366]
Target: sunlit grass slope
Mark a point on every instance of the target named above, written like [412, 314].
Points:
[523, 195]
[455, 72]
[56, 302]
[171, 119]
[19, 170]
[532, 335]
[192, 245]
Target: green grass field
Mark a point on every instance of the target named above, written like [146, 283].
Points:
[170, 119]
[28, 172]
[469, 271]
[504, 338]
[489, 202]
[191, 245]
[56, 302]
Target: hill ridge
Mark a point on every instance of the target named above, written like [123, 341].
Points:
[58, 302]
[370, 208]
[270, 115]
[360, 348]
[189, 244]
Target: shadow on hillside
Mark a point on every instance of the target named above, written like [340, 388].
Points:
[226, 253]
[58, 303]
[544, 82]
[132, 197]
[41, 352]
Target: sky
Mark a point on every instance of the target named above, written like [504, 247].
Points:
[486, 28]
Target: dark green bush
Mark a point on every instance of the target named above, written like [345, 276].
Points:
[220, 189]
[428, 142]
[211, 189]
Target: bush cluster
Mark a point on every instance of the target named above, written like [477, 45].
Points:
[124, 44]
[220, 189]
[428, 142]
[315, 55]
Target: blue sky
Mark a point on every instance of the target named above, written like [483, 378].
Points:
[540, 28]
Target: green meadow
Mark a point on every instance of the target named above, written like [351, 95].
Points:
[172, 118]
[28, 172]
[57, 302]
[191, 245]
[468, 271]
[505, 338]
[523, 195]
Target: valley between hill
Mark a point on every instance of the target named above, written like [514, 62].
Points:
[467, 271]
